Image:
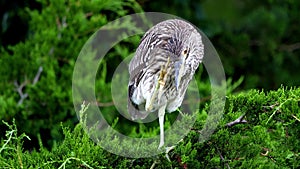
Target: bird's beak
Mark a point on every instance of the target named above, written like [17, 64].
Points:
[179, 67]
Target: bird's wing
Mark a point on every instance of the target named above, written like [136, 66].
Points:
[137, 69]
[141, 56]
[155, 37]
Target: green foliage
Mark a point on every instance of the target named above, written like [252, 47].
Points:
[255, 39]
[11, 147]
[269, 139]
[56, 35]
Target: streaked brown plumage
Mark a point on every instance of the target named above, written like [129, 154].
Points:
[164, 63]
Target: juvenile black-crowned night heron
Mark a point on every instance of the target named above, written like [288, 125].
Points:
[161, 69]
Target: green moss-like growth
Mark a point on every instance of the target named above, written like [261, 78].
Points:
[36, 82]
[269, 139]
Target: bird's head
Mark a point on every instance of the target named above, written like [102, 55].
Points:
[178, 40]
[189, 54]
[179, 65]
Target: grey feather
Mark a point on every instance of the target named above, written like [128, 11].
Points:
[166, 40]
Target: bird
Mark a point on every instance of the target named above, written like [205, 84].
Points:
[164, 63]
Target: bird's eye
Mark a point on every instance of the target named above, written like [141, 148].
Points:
[185, 52]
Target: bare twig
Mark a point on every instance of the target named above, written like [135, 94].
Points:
[89, 14]
[68, 160]
[153, 165]
[290, 47]
[237, 121]
[58, 23]
[277, 109]
[296, 118]
[107, 104]
[266, 152]
[222, 158]
[20, 87]
[272, 106]
[37, 76]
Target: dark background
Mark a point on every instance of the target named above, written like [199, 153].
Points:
[255, 39]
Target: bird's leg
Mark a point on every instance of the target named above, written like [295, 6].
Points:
[161, 116]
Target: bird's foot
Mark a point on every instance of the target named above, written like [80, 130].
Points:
[168, 149]
[160, 145]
